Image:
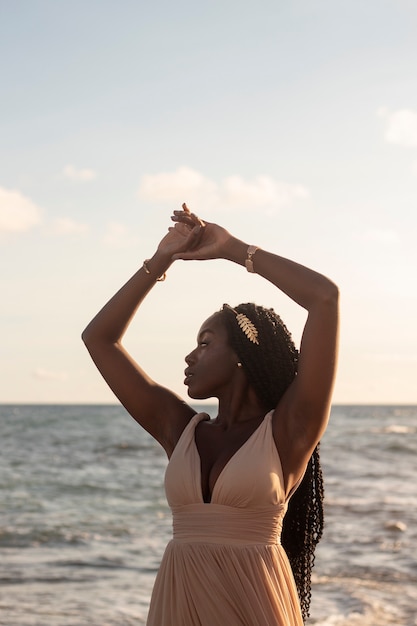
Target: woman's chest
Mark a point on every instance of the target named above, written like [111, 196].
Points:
[216, 448]
[243, 470]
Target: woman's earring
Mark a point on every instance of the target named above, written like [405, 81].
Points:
[239, 364]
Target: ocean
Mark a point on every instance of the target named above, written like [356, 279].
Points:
[84, 522]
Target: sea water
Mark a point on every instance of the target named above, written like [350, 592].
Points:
[84, 521]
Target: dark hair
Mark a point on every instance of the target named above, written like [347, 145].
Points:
[271, 366]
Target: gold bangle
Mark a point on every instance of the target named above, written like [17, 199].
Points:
[148, 271]
[249, 261]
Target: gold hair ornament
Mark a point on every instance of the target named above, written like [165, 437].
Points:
[245, 325]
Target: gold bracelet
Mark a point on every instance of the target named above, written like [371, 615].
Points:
[249, 260]
[148, 271]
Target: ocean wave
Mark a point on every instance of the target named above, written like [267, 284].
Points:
[393, 430]
[41, 536]
[97, 563]
[122, 447]
[32, 537]
[359, 601]
[399, 429]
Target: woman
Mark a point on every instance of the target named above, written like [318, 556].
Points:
[229, 480]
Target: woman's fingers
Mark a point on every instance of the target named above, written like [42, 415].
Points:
[190, 224]
[187, 218]
[197, 220]
[196, 236]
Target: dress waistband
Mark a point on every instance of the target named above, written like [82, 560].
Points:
[217, 523]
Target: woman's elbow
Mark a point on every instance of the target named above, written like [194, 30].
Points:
[87, 336]
[84, 336]
[328, 295]
[333, 292]
[96, 339]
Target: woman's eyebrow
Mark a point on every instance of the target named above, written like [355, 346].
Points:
[204, 332]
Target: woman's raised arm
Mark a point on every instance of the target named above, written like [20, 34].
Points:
[158, 410]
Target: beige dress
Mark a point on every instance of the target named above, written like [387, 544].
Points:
[225, 565]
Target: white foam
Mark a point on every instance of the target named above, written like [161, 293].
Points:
[398, 429]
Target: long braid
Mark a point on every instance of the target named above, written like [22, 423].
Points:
[303, 528]
[271, 366]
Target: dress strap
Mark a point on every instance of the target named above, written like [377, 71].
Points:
[190, 428]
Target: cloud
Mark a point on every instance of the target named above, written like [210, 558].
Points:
[383, 236]
[163, 187]
[17, 213]
[262, 191]
[43, 374]
[82, 175]
[231, 193]
[117, 235]
[401, 126]
[67, 226]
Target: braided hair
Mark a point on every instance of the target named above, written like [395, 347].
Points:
[270, 367]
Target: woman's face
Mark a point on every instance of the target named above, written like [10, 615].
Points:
[212, 364]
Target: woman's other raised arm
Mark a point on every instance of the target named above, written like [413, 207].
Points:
[302, 414]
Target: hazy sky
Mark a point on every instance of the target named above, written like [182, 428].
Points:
[293, 124]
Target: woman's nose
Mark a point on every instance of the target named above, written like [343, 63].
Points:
[189, 358]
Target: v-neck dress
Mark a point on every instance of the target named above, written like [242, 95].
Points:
[225, 565]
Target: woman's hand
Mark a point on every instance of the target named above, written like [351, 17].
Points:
[182, 237]
[202, 240]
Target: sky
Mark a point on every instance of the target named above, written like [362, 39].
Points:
[292, 124]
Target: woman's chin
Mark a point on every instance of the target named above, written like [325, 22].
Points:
[195, 395]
